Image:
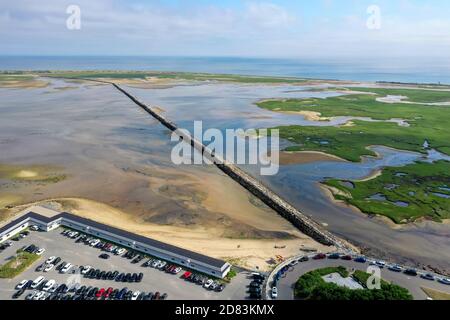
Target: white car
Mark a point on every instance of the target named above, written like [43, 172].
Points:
[135, 295]
[155, 263]
[39, 295]
[50, 260]
[37, 282]
[94, 242]
[22, 284]
[162, 264]
[208, 284]
[274, 293]
[66, 267]
[378, 263]
[40, 251]
[86, 269]
[49, 285]
[53, 289]
[120, 251]
[31, 295]
[49, 267]
[177, 270]
[445, 281]
[34, 228]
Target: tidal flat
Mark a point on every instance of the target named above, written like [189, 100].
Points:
[117, 159]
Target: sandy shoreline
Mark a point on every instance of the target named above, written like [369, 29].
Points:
[303, 157]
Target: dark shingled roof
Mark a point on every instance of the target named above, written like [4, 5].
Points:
[132, 236]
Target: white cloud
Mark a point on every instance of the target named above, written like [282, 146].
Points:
[255, 28]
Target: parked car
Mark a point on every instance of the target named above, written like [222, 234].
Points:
[50, 260]
[49, 285]
[395, 268]
[39, 280]
[135, 295]
[66, 267]
[303, 259]
[319, 256]
[100, 293]
[274, 293]
[208, 283]
[411, 272]
[18, 294]
[220, 287]
[31, 295]
[40, 251]
[379, 263]
[445, 281]
[85, 269]
[104, 256]
[49, 267]
[23, 284]
[334, 256]
[347, 257]
[361, 259]
[428, 276]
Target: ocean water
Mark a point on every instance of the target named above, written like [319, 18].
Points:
[397, 70]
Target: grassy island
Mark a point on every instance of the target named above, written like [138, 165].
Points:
[311, 286]
[402, 194]
[425, 122]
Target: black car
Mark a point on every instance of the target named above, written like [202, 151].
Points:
[255, 284]
[120, 277]
[334, 256]
[18, 293]
[411, 272]
[255, 296]
[104, 256]
[114, 275]
[220, 288]
[148, 296]
[103, 275]
[134, 277]
[139, 277]
[303, 259]
[255, 289]
[57, 260]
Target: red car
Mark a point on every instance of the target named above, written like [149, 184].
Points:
[346, 257]
[100, 293]
[108, 292]
[319, 256]
[186, 275]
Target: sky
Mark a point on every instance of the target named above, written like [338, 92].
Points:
[228, 28]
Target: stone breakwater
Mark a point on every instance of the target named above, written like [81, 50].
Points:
[298, 219]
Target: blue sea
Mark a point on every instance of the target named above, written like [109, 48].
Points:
[396, 70]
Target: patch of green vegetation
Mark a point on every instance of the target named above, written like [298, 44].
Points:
[231, 274]
[436, 295]
[173, 76]
[350, 142]
[422, 186]
[311, 286]
[18, 264]
[15, 77]
[32, 173]
[413, 95]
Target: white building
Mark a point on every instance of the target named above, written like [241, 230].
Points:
[47, 222]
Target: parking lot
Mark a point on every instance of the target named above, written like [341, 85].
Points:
[79, 254]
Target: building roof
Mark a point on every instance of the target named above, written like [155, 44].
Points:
[119, 232]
